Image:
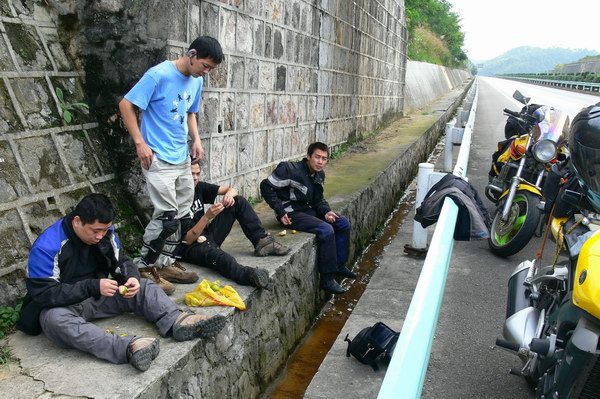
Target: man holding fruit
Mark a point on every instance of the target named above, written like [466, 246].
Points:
[76, 273]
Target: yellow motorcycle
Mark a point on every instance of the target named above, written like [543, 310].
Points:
[553, 311]
[518, 172]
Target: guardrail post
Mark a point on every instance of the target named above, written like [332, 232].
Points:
[419, 240]
[459, 117]
[449, 142]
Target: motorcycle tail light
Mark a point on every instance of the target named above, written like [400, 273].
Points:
[544, 151]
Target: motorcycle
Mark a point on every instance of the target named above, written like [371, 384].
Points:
[553, 311]
[518, 171]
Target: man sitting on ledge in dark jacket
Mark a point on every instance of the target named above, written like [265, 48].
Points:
[295, 192]
[76, 273]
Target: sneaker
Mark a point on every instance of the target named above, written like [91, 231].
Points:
[190, 325]
[142, 351]
[268, 246]
[177, 274]
[345, 272]
[259, 278]
[151, 273]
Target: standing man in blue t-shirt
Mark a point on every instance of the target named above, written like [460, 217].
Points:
[169, 96]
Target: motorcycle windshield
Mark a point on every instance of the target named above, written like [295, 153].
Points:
[553, 125]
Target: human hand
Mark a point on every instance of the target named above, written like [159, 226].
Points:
[133, 287]
[197, 151]
[228, 200]
[286, 220]
[331, 216]
[214, 210]
[108, 287]
[145, 154]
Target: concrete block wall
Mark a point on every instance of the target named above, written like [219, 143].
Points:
[578, 67]
[295, 71]
[46, 165]
[427, 82]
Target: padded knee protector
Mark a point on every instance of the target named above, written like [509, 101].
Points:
[170, 226]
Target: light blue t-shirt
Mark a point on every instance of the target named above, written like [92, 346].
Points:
[166, 96]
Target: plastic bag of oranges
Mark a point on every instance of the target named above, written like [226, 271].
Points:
[212, 294]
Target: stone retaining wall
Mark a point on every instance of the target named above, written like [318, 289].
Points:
[46, 164]
[295, 71]
[426, 82]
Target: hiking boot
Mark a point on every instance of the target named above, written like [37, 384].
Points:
[268, 246]
[152, 273]
[177, 274]
[259, 278]
[329, 285]
[190, 325]
[345, 272]
[142, 351]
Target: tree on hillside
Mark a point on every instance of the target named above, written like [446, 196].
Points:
[436, 17]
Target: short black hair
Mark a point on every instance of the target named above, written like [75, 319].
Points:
[95, 207]
[207, 47]
[317, 146]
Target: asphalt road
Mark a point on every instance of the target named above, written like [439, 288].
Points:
[464, 362]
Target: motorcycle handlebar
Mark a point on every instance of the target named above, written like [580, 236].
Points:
[512, 113]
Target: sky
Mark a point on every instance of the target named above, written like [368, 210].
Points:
[492, 27]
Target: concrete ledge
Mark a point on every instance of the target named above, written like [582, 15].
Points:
[365, 185]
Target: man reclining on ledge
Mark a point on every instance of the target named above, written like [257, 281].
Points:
[76, 273]
[211, 225]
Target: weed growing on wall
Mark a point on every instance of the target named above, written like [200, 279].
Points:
[8, 318]
[68, 110]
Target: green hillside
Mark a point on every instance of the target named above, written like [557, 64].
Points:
[531, 60]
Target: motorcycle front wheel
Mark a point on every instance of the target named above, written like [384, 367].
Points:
[512, 235]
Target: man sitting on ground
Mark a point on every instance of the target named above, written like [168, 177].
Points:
[77, 273]
[211, 225]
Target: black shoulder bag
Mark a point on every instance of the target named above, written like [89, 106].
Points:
[372, 344]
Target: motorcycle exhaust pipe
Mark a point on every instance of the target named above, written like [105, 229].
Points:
[518, 292]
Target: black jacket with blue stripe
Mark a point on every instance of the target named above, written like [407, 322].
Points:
[292, 188]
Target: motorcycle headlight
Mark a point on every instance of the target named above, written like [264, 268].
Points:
[544, 151]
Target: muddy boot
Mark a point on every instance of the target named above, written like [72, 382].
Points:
[142, 351]
[178, 274]
[190, 325]
[268, 246]
[152, 273]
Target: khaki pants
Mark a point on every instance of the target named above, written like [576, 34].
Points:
[170, 188]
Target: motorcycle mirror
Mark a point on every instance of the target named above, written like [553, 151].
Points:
[520, 97]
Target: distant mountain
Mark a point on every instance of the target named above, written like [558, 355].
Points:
[531, 60]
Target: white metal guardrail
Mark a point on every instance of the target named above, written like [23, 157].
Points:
[566, 84]
[406, 372]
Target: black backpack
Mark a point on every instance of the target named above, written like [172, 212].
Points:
[372, 344]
